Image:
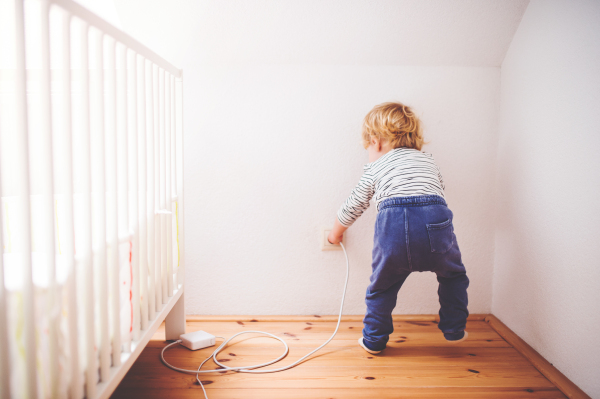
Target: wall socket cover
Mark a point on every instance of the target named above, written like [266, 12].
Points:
[325, 245]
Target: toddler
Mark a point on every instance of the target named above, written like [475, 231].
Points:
[413, 230]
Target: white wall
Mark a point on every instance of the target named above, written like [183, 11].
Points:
[271, 153]
[275, 93]
[547, 269]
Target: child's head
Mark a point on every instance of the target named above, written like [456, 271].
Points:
[393, 123]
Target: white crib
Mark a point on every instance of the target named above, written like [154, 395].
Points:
[91, 172]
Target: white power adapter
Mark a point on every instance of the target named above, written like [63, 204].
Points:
[197, 340]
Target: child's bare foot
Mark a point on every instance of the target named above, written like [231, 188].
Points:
[362, 344]
[454, 341]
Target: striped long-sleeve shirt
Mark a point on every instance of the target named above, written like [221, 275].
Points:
[402, 172]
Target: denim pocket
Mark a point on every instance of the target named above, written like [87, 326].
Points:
[441, 236]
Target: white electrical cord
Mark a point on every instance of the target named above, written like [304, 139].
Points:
[250, 369]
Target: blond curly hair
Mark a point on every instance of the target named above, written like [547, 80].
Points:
[395, 123]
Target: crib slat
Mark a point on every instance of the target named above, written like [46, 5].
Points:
[5, 371]
[132, 157]
[4, 348]
[180, 192]
[143, 194]
[168, 194]
[123, 201]
[66, 239]
[82, 185]
[22, 190]
[43, 169]
[163, 191]
[112, 224]
[115, 233]
[157, 218]
[174, 180]
[150, 128]
[99, 203]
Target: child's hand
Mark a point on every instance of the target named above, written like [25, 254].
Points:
[336, 235]
[335, 239]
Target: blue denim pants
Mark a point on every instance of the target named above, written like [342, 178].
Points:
[414, 234]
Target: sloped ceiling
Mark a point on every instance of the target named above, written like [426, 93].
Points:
[349, 32]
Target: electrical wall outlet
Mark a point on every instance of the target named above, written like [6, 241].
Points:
[325, 245]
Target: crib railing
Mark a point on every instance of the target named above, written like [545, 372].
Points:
[91, 158]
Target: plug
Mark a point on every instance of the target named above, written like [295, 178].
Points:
[197, 340]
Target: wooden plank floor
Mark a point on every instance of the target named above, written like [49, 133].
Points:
[418, 363]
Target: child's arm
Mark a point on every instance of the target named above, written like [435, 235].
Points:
[353, 207]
